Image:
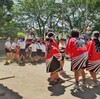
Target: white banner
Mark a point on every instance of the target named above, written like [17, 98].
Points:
[58, 1]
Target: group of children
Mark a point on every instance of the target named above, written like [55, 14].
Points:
[21, 50]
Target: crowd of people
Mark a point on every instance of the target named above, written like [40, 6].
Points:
[83, 52]
[23, 50]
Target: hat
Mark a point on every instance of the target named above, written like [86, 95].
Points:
[51, 34]
[95, 32]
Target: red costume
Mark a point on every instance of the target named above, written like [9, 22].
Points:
[77, 50]
[94, 57]
[53, 56]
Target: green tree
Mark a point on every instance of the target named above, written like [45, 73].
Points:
[5, 12]
[42, 14]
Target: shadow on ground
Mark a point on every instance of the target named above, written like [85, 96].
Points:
[83, 93]
[6, 93]
[57, 90]
[87, 92]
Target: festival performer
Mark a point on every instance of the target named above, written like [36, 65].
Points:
[94, 56]
[53, 57]
[77, 51]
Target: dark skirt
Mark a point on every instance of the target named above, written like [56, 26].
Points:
[7, 50]
[22, 52]
[39, 52]
[13, 51]
[34, 54]
[54, 65]
[43, 54]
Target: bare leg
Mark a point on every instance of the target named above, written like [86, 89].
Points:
[62, 65]
[83, 74]
[76, 75]
[93, 74]
[53, 76]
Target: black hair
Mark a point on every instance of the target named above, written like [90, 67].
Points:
[38, 41]
[22, 39]
[49, 39]
[63, 39]
[46, 33]
[51, 34]
[96, 35]
[74, 33]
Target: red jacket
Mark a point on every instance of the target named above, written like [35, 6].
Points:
[92, 53]
[52, 49]
[75, 47]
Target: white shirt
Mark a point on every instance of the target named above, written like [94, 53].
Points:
[43, 48]
[34, 47]
[39, 46]
[14, 45]
[8, 44]
[18, 42]
[22, 45]
[67, 41]
[62, 45]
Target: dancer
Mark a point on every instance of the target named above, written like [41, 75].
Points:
[77, 51]
[53, 57]
[94, 56]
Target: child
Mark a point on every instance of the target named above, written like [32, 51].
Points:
[8, 51]
[62, 47]
[39, 50]
[43, 51]
[22, 46]
[13, 49]
[33, 47]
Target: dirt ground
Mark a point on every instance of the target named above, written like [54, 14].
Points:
[31, 82]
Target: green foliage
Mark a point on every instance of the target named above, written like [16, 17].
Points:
[5, 13]
[20, 34]
[44, 14]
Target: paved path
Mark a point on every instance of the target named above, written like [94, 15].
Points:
[30, 82]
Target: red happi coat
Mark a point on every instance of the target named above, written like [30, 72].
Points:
[74, 48]
[93, 52]
[52, 49]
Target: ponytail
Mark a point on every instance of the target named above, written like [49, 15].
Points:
[97, 42]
